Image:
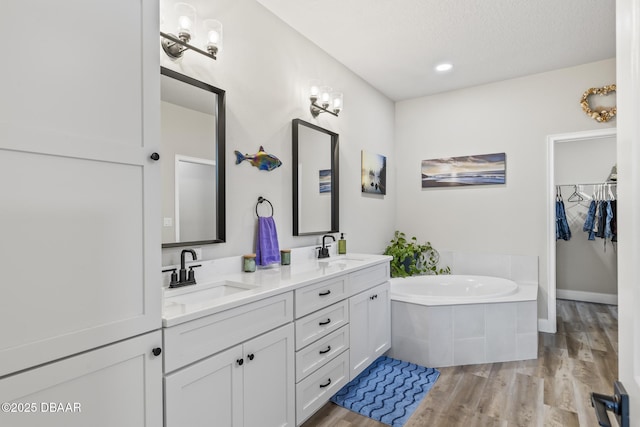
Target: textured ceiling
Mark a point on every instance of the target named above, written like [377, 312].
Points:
[395, 44]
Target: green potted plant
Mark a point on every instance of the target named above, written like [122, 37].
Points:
[411, 258]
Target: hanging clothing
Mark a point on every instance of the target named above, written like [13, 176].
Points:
[562, 226]
[588, 223]
[602, 218]
[607, 224]
[614, 220]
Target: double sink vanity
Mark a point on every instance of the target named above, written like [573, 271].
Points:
[270, 348]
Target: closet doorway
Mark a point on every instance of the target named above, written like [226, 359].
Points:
[579, 164]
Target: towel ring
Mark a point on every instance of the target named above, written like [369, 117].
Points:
[260, 200]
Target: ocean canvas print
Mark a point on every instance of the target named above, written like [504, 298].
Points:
[324, 177]
[484, 169]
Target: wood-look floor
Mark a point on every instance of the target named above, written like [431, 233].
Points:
[553, 390]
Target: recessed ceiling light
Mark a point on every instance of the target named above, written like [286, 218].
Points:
[441, 68]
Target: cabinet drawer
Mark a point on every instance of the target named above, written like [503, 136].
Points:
[191, 341]
[317, 388]
[317, 354]
[321, 323]
[320, 295]
[368, 278]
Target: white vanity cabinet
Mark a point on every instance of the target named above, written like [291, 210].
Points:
[370, 327]
[370, 316]
[116, 385]
[243, 375]
[248, 385]
[276, 357]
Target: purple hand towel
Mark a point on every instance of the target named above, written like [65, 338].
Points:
[267, 249]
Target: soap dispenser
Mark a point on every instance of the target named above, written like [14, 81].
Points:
[342, 245]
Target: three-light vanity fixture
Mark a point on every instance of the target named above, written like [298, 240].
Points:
[185, 16]
[323, 100]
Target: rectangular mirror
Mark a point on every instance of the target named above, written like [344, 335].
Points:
[315, 179]
[192, 161]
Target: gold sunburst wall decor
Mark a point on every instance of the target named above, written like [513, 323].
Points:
[599, 114]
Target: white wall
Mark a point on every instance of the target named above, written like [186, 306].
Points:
[584, 265]
[265, 66]
[513, 116]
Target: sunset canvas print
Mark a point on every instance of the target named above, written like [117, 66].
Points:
[482, 169]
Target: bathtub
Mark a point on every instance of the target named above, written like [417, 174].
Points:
[451, 320]
[453, 289]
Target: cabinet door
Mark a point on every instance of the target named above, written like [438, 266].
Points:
[370, 327]
[206, 393]
[359, 349]
[117, 385]
[269, 379]
[380, 320]
[79, 193]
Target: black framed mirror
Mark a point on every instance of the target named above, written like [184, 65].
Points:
[315, 179]
[192, 161]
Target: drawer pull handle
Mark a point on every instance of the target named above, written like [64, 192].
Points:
[240, 362]
[326, 351]
[372, 297]
[325, 322]
[250, 356]
[326, 385]
[156, 351]
[324, 294]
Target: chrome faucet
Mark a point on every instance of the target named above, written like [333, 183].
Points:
[184, 277]
[323, 252]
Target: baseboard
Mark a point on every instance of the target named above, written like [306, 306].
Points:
[611, 299]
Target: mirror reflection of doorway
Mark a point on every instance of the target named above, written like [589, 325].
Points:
[195, 201]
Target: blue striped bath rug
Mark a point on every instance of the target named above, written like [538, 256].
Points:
[389, 390]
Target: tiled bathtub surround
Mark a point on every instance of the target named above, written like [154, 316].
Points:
[450, 335]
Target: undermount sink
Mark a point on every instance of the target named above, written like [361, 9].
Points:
[211, 292]
[342, 259]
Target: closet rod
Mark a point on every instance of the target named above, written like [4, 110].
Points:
[597, 183]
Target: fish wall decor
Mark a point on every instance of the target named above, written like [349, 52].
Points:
[261, 160]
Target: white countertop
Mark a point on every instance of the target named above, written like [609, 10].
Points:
[195, 301]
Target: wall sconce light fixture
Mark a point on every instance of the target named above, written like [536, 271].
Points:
[323, 100]
[174, 45]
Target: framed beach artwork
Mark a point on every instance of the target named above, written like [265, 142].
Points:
[484, 169]
[324, 177]
[374, 173]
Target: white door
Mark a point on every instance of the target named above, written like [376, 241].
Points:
[269, 379]
[80, 195]
[117, 385]
[628, 100]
